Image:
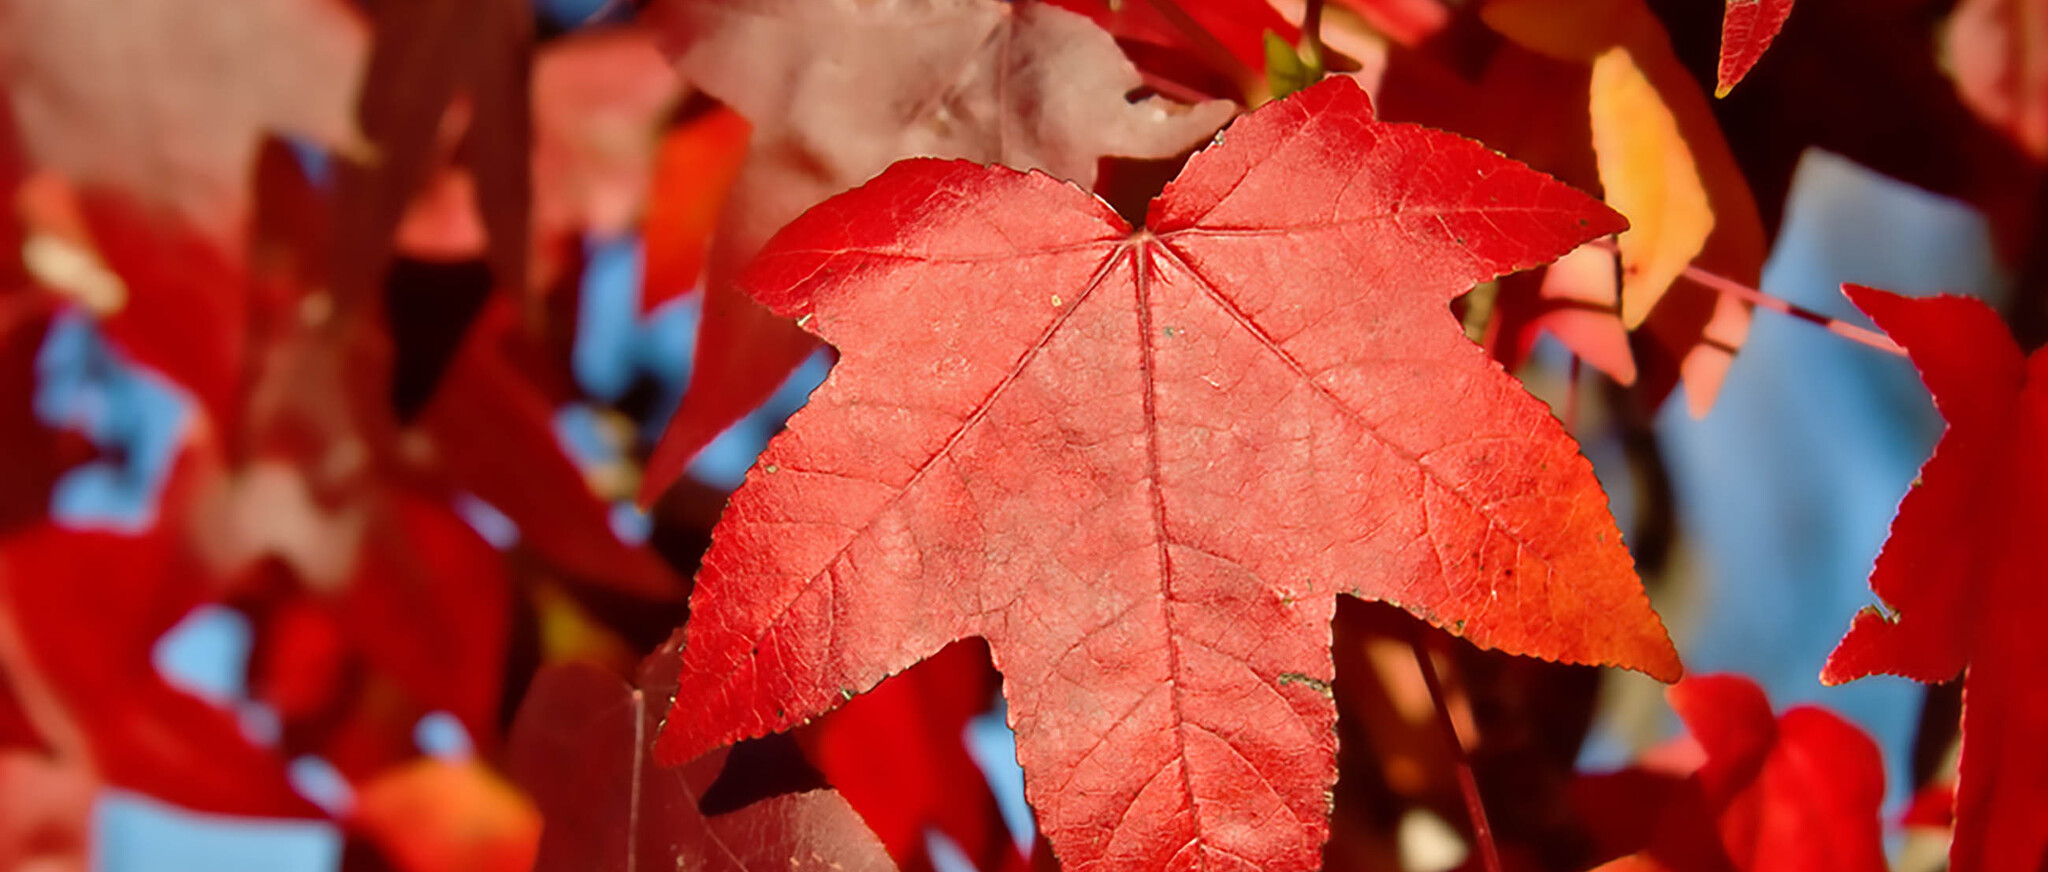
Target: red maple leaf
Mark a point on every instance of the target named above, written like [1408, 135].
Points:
[1142, 464]
[1747, 28]
[837, 91]
[1961, 573]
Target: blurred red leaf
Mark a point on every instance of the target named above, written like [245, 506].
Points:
[165, 101]
[1534, 100]
[1774, 794]
[429, 605]
[600, 101]
[1227, 36]
[582, 748]
[185, 309]
[1960, 575]
[1796, 792]
[448, 816]
[693, 170]
[435, 62]
[1142, 465]
[36, 456]
[79, 616]
[1997, 50]
[45, 809]
[492, 415]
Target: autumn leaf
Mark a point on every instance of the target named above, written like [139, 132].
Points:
[1223, 40]
[1960, 575]
[1899, 114]
[1536, 98]
[1995, 50]
[1142, 464]
[836, 92]
[1407, 22]
[96, 696]
[45, 812]
[1747, 28]
[899, 756]
[1650, 176]
[694, 167]
[1798, 791]
[600, 100]
[428, 605]
[166, 100]
[582, 748]
[491, 416]
[1574, 299]
[1784, 793]
[448, 816]
[436, 61]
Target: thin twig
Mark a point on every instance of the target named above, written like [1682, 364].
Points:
[1482, 832]
[1833, 325]
[1723, 284]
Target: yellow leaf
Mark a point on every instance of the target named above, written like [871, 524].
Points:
[1650, 177]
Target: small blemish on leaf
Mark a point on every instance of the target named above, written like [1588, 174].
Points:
[1461, 240]
[806, 319]
[1170, 332]
[1458, 626]
[771, 469]
[1309, 681]
[846, 694]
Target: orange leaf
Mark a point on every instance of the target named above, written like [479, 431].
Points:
[440, 816]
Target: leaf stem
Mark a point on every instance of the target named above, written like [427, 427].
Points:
[1723, 284]
[1468, 786]
[1571, 398]
[1312, 28]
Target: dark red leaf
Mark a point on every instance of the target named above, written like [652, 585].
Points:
[426, 58]
[898, 754]
[582, 748]
[429, 605]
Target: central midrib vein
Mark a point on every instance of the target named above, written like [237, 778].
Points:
[1141, 253]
